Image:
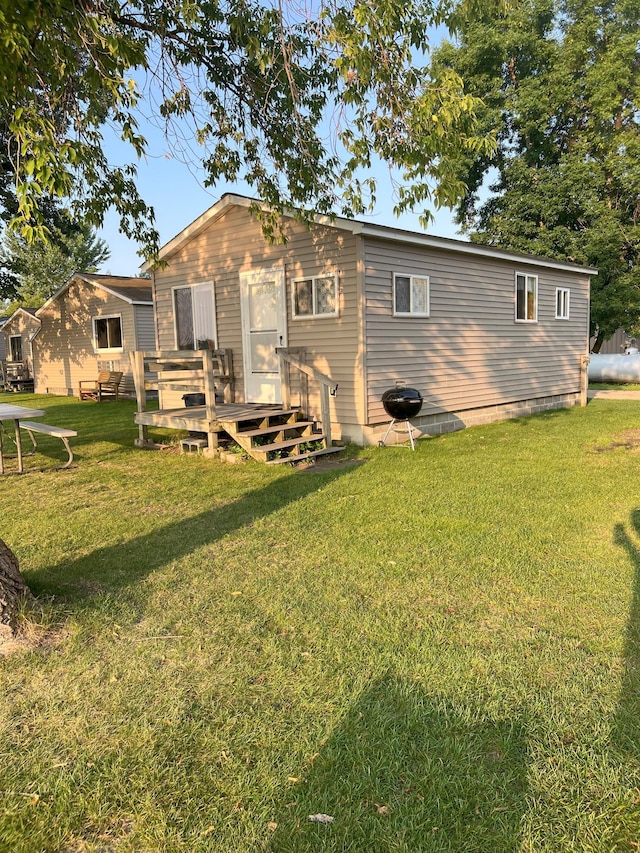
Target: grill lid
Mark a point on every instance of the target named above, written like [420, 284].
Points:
[402, 403]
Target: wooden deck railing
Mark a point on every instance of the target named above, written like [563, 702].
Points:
[14, 375]
[328, 387]
[195, 371]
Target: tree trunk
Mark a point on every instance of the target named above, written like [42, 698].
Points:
[598, 342]
[13, 590]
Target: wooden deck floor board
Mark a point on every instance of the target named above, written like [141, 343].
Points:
[194, 417]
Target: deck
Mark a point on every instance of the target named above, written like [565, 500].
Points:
[270, 433]
[195, 418]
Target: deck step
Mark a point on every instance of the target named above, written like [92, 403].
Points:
[252, 433]
[301, 456]
[257, 415]
[289, 443]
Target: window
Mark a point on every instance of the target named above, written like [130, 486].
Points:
[411, 295]
[107, 333]
[316, 296]
[562, 303]
[195, 316]
[15, 346]
[526, 298]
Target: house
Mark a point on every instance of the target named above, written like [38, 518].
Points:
[616, 344]
[18, 333]
[3, 346]
[483, 334]
[91, 324]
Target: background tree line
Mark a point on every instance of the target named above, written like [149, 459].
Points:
[525, 120]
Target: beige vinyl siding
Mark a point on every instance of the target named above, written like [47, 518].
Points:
[234, 244]
[21, 325]
[144, 327]
[64, 350]
[470, 352]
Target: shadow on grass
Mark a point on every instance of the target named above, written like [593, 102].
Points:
[122, 565]
[406, 772]
[625, 734]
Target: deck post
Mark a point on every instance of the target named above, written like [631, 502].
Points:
[137, 366]
[210, 401]
[584, 379]
[285, 381]
[304, 384]
[325, 413]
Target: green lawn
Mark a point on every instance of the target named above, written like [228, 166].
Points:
[614, 386]
[439, 649]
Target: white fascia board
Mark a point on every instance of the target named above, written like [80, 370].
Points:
[7, 324]
[53, 298]
[198, 225]
[382, 232]
[87, 279]
[427, 241]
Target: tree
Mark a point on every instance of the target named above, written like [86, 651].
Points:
[13, 590]
[53, 215]
[32, 271]
[559, 81]
[297, 106]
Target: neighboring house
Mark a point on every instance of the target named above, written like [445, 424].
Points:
[18, 332]
[616, 344]
[91, 324]
[482, 333]
[3, 346]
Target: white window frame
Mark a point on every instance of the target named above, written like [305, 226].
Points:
[210, 284]
[107, 350]
[528, 277]
[412, 277]
[315, 315]
[564, 304]
[16, 338]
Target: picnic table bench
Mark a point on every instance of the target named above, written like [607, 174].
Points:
[48, 429]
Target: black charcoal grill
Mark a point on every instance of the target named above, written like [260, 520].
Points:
[401, 404]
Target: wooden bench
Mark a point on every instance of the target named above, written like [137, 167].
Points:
[106, 385]
[47, 429]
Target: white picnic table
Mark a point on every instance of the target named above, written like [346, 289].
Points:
[9, 412]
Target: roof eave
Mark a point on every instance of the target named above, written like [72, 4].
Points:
[198, 225]
[10, 319]
[54, 296]
[87, 279]
[462, 246]
[364, 229]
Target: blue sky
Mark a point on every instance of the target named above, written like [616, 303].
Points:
[177, 193]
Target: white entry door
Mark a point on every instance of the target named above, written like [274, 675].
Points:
[264, 327]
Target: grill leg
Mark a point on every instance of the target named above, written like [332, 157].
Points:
[389, 428]
[410, 431]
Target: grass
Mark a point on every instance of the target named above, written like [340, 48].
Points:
[614, 386]
[439, 649]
